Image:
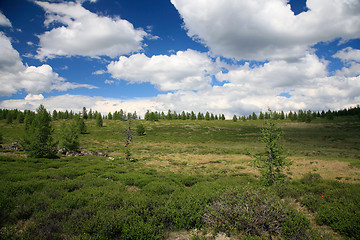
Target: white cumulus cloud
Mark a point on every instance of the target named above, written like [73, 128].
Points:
[351, 59]
[15, 76]
[186, 70]
[84, 33]
[267, 29]
[4, 21]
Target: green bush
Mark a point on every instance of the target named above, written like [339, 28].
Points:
[311, 178]
[160, 187]
[253, 211]
[140, 130]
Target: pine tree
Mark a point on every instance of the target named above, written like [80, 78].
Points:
[329, 115]
[261, 116]
[99, 120]
[254, 116]
[38, 140]
[90, 115]
[55, 115]
[169, 115]
[9, 117]
[29, 118]
[80, 123]
[84, 113]
[272, 161]
[183, 115]
[193, 115]
[235, 118]
[308, 116]
[69, 139]
[20, 117]
[140, 130]
[207, 116]
[282, 115]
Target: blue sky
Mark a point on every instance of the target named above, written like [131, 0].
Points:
[231, 57]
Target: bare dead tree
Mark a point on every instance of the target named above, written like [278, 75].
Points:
[128, 138]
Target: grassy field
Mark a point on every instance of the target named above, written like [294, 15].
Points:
[182, 172]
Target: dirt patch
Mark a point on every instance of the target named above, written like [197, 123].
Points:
[241, 164]
[13, 154]
[132, 188]
[331, 170]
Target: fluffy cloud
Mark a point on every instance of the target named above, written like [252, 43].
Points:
[77, 102]
[348, 55]
[4, 21]
[84, 33]
[267, 29]
[246, 89]
[186, 70]
[14, 76]
[278, 74]
[351, 59]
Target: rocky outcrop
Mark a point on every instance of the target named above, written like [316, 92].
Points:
[81, 153]
[15, 146]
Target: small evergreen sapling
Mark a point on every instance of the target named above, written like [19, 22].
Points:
[272, 161]
[140, 130]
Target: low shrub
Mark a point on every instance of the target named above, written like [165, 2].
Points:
[311, 178]
[160, 187]
[253, 211]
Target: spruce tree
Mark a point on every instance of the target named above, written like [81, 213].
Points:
[254, 116]
[20, 117]
[261, 116]
[80, 123]
[272, 161]
[84, 113]
[55, 115]
[183, 115]
[235, 118]
[69, 139]
[38, 140]
[90, 114]
[9, 117]
[99, 120]
[207, 116]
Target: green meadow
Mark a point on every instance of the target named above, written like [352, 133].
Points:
[186, 179]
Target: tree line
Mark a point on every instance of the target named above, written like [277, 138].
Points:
[301, 115]
[156, 116]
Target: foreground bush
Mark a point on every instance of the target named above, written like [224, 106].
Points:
[255, 212]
